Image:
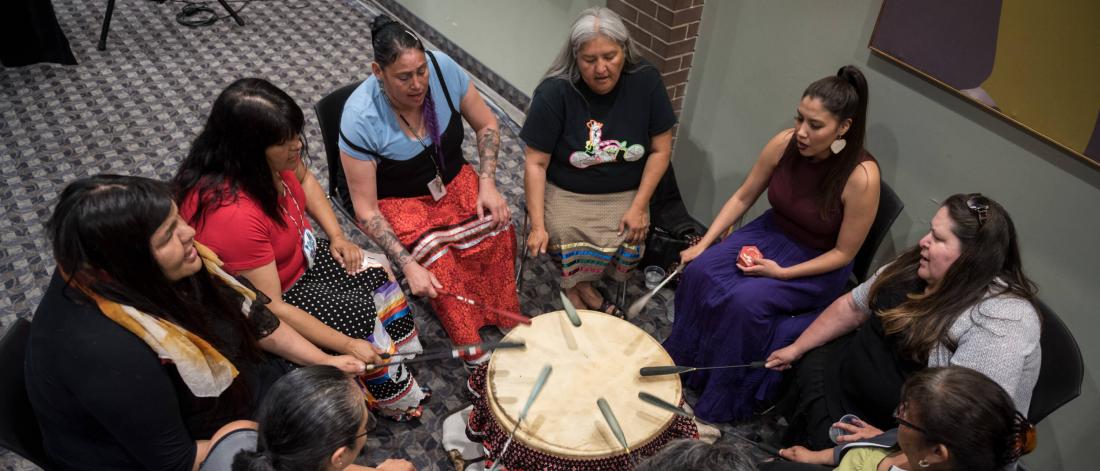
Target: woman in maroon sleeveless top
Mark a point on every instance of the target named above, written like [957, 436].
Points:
[823, 189]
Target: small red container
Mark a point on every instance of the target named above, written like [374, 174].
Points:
[748, 253]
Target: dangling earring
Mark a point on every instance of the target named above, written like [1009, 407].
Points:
[838, 145]
[922, 463]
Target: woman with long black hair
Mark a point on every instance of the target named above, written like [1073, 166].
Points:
[142, 348]
[246, 190]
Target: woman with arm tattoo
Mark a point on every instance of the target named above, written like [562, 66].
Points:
[443, 224]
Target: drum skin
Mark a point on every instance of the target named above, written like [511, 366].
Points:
[601, 358]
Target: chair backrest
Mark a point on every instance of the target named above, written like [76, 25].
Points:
[889, 207]
[329, 110]
[1062, 370]
[19, 431]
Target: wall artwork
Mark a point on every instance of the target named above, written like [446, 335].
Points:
[1036, 64]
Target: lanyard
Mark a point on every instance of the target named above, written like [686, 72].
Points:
[420, 140]
[299, 226]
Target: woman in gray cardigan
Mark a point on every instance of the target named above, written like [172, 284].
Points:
[959, 297]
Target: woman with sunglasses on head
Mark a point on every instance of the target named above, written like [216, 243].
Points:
[443, 224]
[246, 190]
[142, 348]
[960, 297]
[313, 419]
[949, 419]
[732, 306]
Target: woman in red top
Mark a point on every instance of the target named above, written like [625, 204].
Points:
[245, 189]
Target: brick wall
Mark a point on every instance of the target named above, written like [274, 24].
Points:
[665, 32]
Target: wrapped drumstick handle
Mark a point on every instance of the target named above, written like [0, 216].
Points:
[671, 370]
[509, 314]
[469, 350]
[539, 383]
[663, 404]
[570, 310]
[612, 422]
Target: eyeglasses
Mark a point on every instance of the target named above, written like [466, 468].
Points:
[897, 417]
[979, 205]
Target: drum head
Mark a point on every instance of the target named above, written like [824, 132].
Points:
[600, 358]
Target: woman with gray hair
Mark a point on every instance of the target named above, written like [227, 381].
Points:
[695, 455]
[599, 138]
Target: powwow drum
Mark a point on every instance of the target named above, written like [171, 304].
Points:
[564, 429]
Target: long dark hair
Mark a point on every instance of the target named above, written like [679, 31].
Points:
[989, 252]
[306, 415]
[845, 96]
[101, 230]
[229, 155]
[970, 415]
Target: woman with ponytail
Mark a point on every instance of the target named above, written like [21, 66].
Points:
[823, 188]
[960, 297]
[313, 419]
[949, 419]
[443, 224]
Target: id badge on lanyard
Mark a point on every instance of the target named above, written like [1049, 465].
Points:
[437, 188]
[309, 246]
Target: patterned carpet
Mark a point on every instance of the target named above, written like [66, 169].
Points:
[134, 108]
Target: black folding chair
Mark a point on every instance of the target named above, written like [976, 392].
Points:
[19, 430]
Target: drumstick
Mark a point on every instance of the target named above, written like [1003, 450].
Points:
[656, 401]
[539, 383]
[509, 314]
[612, 422]
[637, 306]
[671, 370]
[482, 346]
[475, 349]
[570, 310]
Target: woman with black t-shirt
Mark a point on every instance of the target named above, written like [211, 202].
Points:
[599, 138]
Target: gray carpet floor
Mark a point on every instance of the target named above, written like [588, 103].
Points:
[134, 108]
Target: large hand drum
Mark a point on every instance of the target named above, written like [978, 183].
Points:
[564, 428]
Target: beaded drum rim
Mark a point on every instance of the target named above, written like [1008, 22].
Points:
[657, 356]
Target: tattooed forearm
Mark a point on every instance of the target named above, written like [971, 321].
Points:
[382, 234]
[488, 145]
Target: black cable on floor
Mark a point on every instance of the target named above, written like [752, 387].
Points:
[196, 14]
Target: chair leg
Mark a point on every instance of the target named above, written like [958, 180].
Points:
[522, 252]
[232, 12]
[102, 46]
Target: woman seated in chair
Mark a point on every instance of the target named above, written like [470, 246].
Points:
[823, 189]
[313, 418]
[949, 419]
[142, 348]
[246, 190]
[960, 297]
[442, 224]
[599, 138]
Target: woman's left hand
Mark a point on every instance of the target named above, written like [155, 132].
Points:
[347, 254]
[764, 267]
[346, 363]
[634, 224]
[488, 198]
[857, 431]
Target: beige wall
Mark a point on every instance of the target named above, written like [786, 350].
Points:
[754, 59]
[516, 39]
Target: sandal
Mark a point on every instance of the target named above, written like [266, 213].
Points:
[605, 305]
[406, 415]
[614, 310]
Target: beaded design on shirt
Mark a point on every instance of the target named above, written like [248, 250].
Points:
[598, 151]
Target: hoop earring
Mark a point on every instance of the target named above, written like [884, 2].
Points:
[923, 464]
[838, 145]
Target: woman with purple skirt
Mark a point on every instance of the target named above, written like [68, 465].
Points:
[823, 189]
